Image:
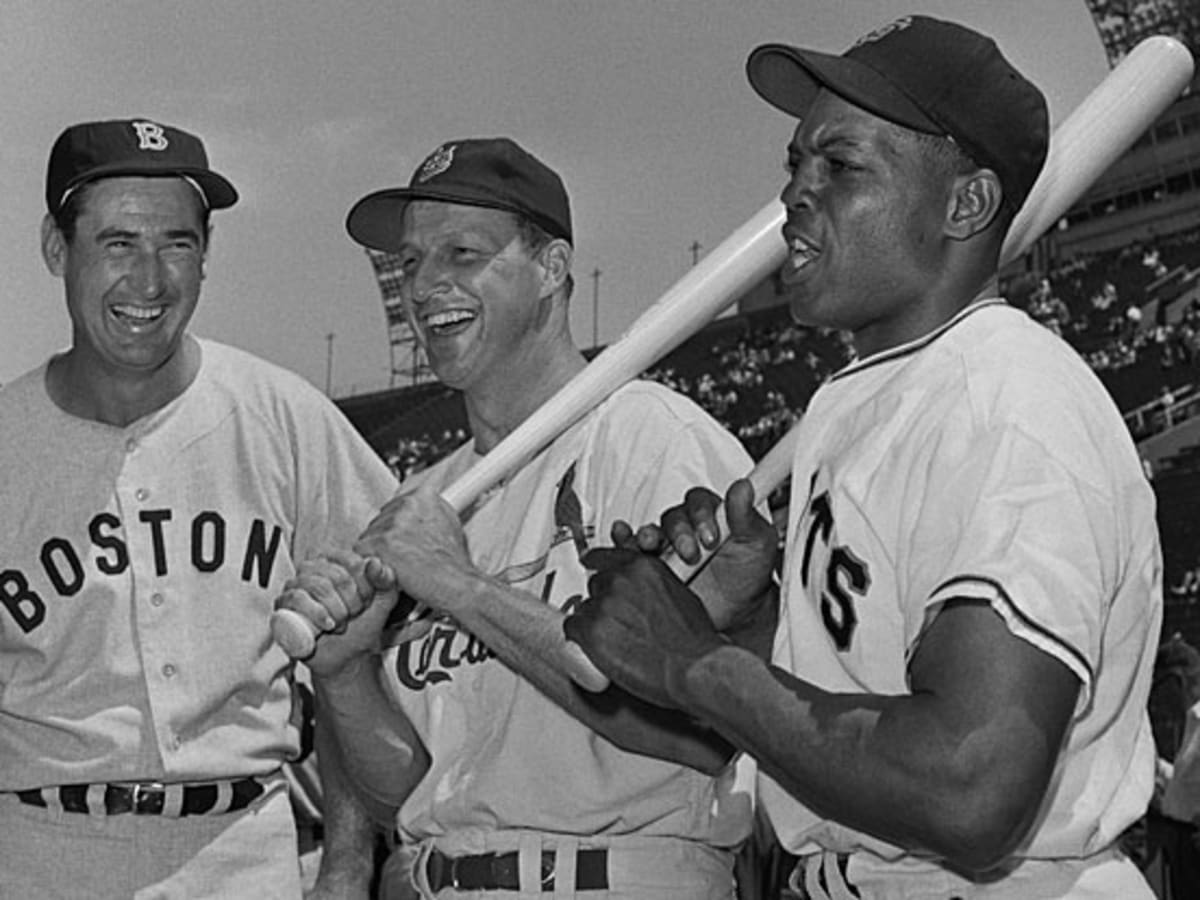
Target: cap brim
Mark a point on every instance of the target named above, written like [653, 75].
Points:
[218, 192]
[790, 78]
[377, 220]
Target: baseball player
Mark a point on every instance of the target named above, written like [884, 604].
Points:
[532, 785]
[957, 705]
[157, 490]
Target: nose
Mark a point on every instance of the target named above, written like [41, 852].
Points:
[428, 278]
[800, 186]
[148, 275]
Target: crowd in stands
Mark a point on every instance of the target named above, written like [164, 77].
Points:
[412, 454]
[756, 381]
[1114, 307]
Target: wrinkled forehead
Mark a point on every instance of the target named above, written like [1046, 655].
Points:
[143, 195]
[832, 119]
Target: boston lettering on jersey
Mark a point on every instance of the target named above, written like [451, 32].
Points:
[66, 566]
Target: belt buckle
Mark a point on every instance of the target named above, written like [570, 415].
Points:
[149, 797]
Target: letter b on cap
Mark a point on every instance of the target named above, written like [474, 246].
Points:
[150, 136]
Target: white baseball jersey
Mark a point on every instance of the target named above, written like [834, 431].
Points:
[983, 461]
[504, 757]
[139, 567]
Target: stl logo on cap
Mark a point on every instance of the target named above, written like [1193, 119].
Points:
[883, 31]
[150, 136]
[437, 163]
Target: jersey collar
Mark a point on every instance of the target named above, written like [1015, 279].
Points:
[917, 344]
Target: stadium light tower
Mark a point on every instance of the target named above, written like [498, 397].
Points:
[407, 357]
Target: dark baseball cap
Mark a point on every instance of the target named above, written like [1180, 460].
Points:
[491, 172]
[92, 150]
[928, 75]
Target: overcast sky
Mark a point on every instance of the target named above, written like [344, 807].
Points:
[641, 105]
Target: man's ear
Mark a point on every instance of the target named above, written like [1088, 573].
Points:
[975, 201]
[54, 246]
[555, 259]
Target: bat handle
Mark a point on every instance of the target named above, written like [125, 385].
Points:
[298, 638]
[294, 633]
[770, 473]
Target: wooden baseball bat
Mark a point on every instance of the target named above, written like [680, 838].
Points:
[1103, 127]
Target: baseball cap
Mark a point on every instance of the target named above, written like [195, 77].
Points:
[92, 150]
[929, 75]
[491, 172]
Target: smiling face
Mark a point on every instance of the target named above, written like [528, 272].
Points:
[473, 292]
[866, 211]
[132, 274]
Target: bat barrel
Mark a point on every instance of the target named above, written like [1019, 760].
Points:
[1098, 131]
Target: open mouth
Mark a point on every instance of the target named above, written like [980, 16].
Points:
[801, 253]
[448, 321]
[138, 315]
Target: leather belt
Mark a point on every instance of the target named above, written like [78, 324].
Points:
[149, 798]
[501, 871]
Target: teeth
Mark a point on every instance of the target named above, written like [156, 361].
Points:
[799, 245]
[146, 314]
[448, 318]
[802, 251]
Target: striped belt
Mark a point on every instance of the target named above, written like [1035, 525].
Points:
[501, 871]
[151, 798]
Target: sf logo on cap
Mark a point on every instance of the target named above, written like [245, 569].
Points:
[150, 136]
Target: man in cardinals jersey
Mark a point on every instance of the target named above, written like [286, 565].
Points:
[957, 705]
[532, 784]
[157, 489]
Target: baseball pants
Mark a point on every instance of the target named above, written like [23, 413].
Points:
[50, 854]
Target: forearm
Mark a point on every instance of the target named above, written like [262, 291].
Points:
[888, 766]
[527, 635]
[382, 754]
[754, 629]
[348, 857]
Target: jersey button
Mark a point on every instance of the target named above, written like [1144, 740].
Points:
[142, 494]
[157, 599]
[131, 445]
[168, 670]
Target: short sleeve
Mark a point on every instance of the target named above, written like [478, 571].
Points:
[1010, 525]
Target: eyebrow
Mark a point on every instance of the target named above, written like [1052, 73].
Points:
[837, 139]
[174, 234]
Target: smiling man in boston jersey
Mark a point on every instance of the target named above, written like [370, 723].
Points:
[972, 596]
[157, 489]
[533, 785]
